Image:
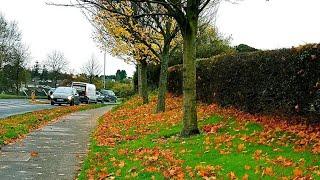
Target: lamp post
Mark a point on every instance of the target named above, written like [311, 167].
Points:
[104, 68]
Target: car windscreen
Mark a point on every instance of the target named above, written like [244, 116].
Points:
[63, 90]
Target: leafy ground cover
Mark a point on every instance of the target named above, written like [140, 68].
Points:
[15, 127]
[132, 142]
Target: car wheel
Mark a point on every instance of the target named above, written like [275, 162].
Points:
[52, 103]
[72, 103]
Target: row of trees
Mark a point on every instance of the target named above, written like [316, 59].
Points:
[147, 32]
[13, 56]
[55, 66]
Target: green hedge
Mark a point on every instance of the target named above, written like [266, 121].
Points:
[277, 81]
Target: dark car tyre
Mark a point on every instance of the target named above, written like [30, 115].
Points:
[52, 103]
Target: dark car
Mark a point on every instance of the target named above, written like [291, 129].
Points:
[109, 96]
[65, 95]
[99, 97]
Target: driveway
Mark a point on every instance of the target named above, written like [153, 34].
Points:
[9, 107]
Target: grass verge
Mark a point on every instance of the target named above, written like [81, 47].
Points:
[9, 96]
[14, 127]
[133, 142]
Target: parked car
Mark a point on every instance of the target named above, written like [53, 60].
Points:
[50, 92]
[65, 95]
[86, 91]
[109, 96]
[99, 97]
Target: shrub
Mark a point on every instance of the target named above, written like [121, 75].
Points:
[123, 89]
[277, 81]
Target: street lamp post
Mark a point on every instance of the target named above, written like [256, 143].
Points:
[104, 69]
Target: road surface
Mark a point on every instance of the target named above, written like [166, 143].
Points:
[9, 107]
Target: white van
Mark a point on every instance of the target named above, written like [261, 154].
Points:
[86, 91]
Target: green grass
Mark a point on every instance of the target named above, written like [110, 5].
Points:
[202, 151]
[16, 126]
[10, 96]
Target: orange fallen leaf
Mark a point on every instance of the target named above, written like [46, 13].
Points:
[297, 172]
[268, 171]
[245, 177]
[247, 167]
[34, 154]
[232, 175]
[257, 154]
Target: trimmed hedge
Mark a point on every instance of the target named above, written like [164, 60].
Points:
[276, 81]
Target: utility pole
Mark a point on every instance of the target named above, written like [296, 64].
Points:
[104, 68]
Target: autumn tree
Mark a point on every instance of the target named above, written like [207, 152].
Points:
[91, 68]
[56, 63]
[155, 33]
[186, 13]
[121, 41]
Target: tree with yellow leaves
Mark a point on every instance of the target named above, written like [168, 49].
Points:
[153, 36]
[186, 13]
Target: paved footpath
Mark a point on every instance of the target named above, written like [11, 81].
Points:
[53, 152]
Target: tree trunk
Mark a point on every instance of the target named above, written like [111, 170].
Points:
[139, 80]
[163, 80]
[144, 85]
[190, 124]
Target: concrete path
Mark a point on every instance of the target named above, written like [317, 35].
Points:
[53, 152]
[9, 107]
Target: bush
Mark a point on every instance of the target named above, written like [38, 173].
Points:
[278, 81]
[123, 89]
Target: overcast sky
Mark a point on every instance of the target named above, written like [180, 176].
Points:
[46, 28]
[258, 23]
[271, 24]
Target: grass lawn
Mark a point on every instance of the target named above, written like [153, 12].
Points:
[14, 127]
[9, 96]
[133, 142]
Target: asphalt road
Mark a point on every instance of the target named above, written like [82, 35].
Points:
[9, 107]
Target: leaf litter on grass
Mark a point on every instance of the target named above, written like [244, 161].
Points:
[233, 145]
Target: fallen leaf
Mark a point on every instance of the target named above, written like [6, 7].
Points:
[297, 172]
[241, 147]
[268, 171]
[34, 154]
[118, 172]
[121, 164]
[245, 177]
[232, 175]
